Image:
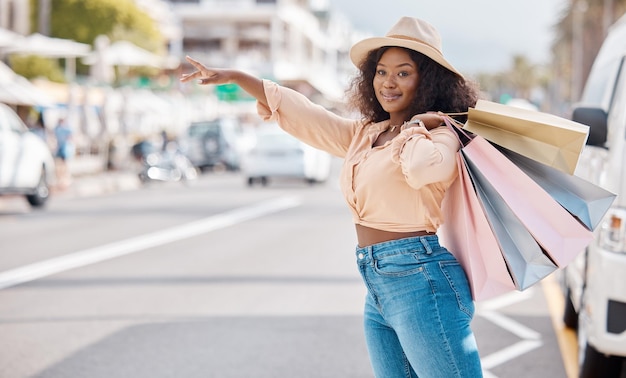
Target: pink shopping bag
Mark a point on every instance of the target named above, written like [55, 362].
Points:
[558, 232]
[468, 236]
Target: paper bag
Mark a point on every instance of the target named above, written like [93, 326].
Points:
[546, 138]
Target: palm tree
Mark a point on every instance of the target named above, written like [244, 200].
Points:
[579, 35]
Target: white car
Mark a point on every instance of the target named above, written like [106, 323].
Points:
[278, 154]
[26, 163]
[595, 283]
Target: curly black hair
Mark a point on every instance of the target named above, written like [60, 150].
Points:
[440, 89]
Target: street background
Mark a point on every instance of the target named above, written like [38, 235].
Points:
[248, 292]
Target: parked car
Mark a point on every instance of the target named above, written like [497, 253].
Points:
[213, 144]
[26, 163]
[278, 154]
[595, 283]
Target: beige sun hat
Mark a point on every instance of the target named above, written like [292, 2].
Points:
[409, 32]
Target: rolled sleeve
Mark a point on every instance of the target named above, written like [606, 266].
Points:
[273, 95]
[424, 156]
[307, 121]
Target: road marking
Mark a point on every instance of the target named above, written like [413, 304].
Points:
[94, 255]
[511, 325]
[506, 300]
[531, 339]
[567, 339]
[510, 353]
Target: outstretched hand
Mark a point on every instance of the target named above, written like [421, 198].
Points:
[251, 84]
[204, 74]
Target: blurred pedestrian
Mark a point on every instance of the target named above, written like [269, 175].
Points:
[398, 163]
[65, 150]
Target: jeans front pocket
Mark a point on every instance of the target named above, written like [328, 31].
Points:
[398, 264]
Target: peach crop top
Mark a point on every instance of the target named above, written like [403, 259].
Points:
[395, 187]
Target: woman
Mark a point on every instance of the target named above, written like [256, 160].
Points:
[399, 162]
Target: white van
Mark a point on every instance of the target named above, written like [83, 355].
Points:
[595, 283]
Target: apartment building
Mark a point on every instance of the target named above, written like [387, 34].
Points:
[289, 41]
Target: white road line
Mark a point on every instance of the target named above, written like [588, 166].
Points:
[488, 374]
[106, 252]
[511, 325]
[506, 299]
[509, 353]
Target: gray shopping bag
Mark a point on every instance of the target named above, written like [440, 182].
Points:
[526, 260]
[581, 198]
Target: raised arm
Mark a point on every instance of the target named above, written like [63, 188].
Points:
[205, 76]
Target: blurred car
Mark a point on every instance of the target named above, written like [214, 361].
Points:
[26, 163]
[278, 154]
[213, 144]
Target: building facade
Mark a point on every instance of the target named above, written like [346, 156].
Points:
[284, 40]
[14, 16]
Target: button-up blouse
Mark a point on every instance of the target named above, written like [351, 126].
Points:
[398, 186]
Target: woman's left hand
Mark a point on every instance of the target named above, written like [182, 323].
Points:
[206, 75]
[431, 120]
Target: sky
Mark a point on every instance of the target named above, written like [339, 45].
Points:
[477, 35]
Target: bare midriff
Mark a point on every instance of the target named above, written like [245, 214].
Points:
[368, 236]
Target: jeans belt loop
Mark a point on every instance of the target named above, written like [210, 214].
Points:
[426, 245]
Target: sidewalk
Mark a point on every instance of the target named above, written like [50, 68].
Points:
[90, 178]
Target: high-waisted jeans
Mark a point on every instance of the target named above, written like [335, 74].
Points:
[418, 310]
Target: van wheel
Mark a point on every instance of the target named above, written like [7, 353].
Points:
[596, 364]
[570, 317]
[42, 191]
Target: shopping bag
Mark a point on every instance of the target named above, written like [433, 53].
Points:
[467, 235]
[524, 257]
[549, 139]
[559, 234]
[583, 199]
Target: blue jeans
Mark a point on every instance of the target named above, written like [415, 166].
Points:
[418, 310]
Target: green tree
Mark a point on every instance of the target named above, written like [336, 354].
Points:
[592, 18]
[517, 81]
[32, 67]
[523, 76]
[84, 20]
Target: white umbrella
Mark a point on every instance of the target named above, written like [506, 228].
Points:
[127, 54]
[41, 45]
[17, 90]
[9, 39]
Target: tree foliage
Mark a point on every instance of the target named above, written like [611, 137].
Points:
[592, 18]
[84, 20]
[595, 17]
[31, 67]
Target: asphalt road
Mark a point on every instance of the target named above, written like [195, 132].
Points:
[212, 279]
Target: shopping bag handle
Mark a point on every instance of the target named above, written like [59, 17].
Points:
[456, 127]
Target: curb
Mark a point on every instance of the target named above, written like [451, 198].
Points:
[98, 184]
